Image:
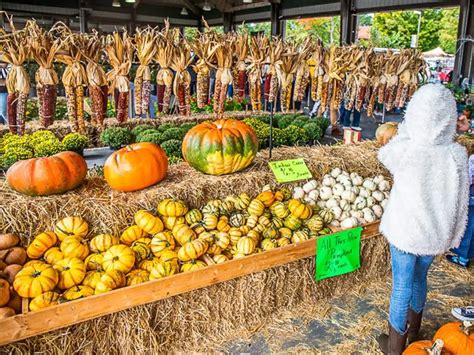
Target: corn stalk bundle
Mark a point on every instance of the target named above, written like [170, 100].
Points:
[376, 67]
[257, 55]
[15, 48]
[286, 69]
[119, 50]
[353, 76]
[363, 79]
[145, 48]
[43, 49]
[182, 80]
[275, 51]
[391, 78]
[74, 77]
[411, 65]
[204, 49]
[241, 49]
[302, 72]
[316, 59]
[96, 78]
[223, 57]
[164, 57]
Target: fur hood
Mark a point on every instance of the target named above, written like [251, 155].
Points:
[426, 213]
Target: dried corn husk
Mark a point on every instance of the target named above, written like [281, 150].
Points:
[257, 55]
[164, 57]
[181, 86]
[241, 49]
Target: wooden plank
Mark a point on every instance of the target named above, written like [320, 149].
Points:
[29, 324]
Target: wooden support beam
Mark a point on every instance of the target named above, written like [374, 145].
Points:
[194, 9]
[464, 62]
[137, 2]
[348, 22]
[275, 19]
[29, 324]
[254, 5]
[228, 21]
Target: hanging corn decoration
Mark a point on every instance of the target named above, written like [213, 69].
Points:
[182, 80]
[223, 55]
[257, 54]
[164, 57]
[274, 55]
[145, 48]
[43, 49]
[120, 53]
[241, 49]
[203, 48]
[316, 62]
[15, 48]
[97, 81]
[286, 69]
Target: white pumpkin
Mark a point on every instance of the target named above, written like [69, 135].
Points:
[356, 180]
[378, 179]
[343, 177]
[371, 201]
[334, 223]
[336, 172]
[369, 184]
[337, 212]
[309, 201]
[345, 205]
[344, 215]
[337, 189]
[348, 195]
[321, 204]
[325, 192]
[332, 202]
[329, 181]
[357, 214]
[383, 204]
[360, 203]
[350, 222]
[361, 221]
[355, 189]
[313, 195]
[384, 185]
[298, 193]
[379, 196]
[386, 194]
[347, 184]
[363, 192]
[310, 186]
[378, 211]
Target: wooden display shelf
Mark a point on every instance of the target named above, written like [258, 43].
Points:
[30, 324]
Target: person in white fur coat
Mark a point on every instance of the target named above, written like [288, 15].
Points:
[426, 213]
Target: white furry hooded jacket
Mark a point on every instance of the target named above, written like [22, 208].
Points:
[426, 213]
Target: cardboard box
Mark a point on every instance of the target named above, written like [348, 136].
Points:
[351, 136]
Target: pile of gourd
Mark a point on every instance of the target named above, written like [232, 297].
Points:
[66, 264]
[351, 199]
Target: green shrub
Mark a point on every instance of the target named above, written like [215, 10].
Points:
[173, 133]
[172, 148]
[174, 160]
[261, 130]
[41, 136]
[74, 142]
[145, 132]
[296, 135]
[48, 147]
[285, 121]
[165, 126]
[324, 123]
[141, 128]
[313, 131]
[156, 138]
[11, 156]
[116, 137]
[279, 137]
[300, 121]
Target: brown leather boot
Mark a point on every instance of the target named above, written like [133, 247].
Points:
[393, 343]
[414, 324]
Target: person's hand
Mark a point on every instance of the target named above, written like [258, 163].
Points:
[463, 124]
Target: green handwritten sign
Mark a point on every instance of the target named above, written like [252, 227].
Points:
[338, 254]
[290, 170]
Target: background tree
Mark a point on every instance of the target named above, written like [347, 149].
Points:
[326, 28]
[449, 29]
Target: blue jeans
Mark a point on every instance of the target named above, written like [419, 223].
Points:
[466, 248]
[151, 106]
[355, 118]
[3, 108]
[409, 286]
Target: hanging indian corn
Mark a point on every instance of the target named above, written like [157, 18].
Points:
[182, 80]
[258, 53]
[241, 49]
[223, 55]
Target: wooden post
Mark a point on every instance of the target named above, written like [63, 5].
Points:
[228, 21]
[348, 22]
[275, 19]
[463, 64]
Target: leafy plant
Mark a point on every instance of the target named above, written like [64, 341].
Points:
[296, 135]
[163, 127]
[172, 147]
[173, 160]
[156, 138]
[141, 128]
[116, 137]
[48, 147]
[173, 133]
[11, 156]
[41, 136]
[145, 132]
[74, 142]
[313, 131]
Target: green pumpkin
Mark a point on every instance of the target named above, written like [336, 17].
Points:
[193, 216]
[220, 147]
[299, 236]
[327, 215]
[271, 232]
[226, 208]
[237, 220]
[292, 222]
[315, 223]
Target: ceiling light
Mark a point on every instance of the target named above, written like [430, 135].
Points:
[247, 1]
[116, 3]
[130, 1]
[206, 6]
[184, 12]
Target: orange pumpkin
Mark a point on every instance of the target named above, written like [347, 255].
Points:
[385, 132]
[47, 176]
[458, 338]
[136, 167]
[220, 147]
[425, 347]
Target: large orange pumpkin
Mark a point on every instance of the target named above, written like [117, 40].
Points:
[47, 176]
[136, 167]
[458, 338]
[385, 132]
[220, 147]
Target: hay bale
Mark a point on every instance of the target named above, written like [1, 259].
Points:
[110, 211]
[205, 319]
